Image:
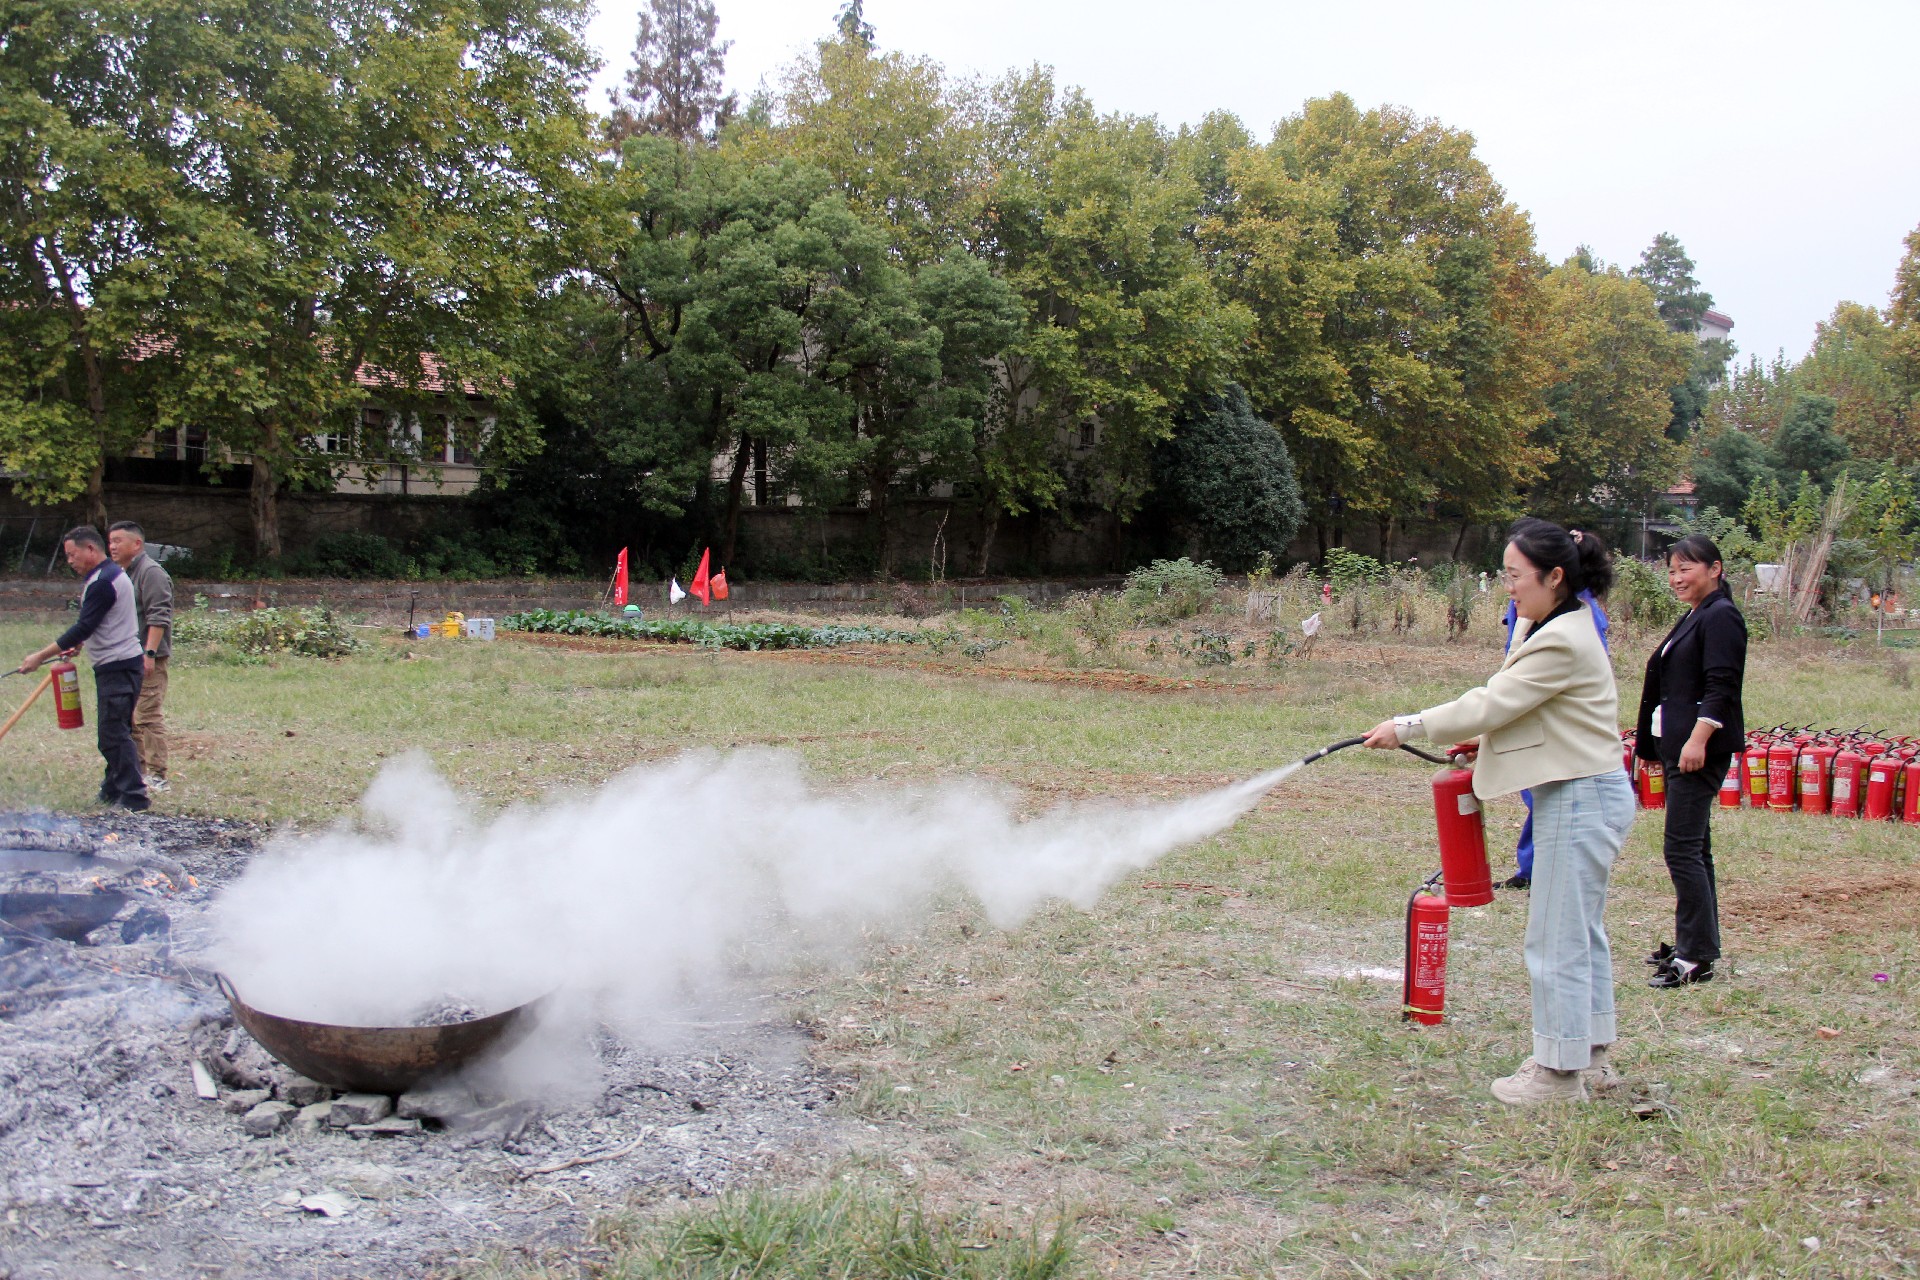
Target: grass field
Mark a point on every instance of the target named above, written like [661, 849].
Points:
[1206, 1074]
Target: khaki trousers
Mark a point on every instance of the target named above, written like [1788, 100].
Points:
[149, 725]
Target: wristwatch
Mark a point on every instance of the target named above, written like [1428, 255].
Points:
[153, 653]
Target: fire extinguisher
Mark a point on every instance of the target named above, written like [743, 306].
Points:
[1816, 778]
[1756, 758]
[1424, 988]
[1734, 783]
[1912, 811]
[1463, 839]
[1849, 777]
[1880, 775]
[66, 695]
[1653, 784]
[1781, 758]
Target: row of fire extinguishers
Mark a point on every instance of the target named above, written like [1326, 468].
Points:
[1842, 773]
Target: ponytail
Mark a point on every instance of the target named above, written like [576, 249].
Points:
[1580, 555]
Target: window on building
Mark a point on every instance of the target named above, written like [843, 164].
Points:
[466, 442]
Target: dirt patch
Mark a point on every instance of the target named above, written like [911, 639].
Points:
[110, 1160]
[1867, 899]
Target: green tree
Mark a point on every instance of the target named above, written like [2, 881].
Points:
[1668, 271]
[675, 86]
[1609, 404]
[94, 216]
[1397, 338]
[1730, 462]
[1085, 216]
[351, 185]
[1806, 445]
[1225, 482]
[1854, 362]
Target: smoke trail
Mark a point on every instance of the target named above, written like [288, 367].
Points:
[640, 894]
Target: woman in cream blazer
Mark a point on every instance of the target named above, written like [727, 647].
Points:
[1548, 720]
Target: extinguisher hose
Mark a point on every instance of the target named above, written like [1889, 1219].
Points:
[1344, 743]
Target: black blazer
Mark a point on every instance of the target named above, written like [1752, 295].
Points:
[1697, 671]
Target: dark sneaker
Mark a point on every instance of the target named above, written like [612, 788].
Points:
[1680, 973]
[1517, 882]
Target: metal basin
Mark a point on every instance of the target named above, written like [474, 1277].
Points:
[70, 916]
[380, 1059]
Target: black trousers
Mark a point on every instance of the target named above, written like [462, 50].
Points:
[1689, 853]
[119, 691]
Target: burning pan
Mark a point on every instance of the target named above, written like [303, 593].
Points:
[379, 1059]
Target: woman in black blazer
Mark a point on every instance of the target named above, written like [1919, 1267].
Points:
[1690, 721]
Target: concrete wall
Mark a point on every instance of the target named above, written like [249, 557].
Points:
[185, 516]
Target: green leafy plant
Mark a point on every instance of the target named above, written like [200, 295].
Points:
[1099, 616]
[1168, 590]
[710, 635]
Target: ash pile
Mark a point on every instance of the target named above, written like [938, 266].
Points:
[144, 1131]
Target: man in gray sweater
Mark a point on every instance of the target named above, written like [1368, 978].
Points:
[108, 625]
[153, 597]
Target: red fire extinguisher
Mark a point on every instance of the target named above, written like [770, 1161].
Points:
[1816, 778]
[1424, 988]
[66, 695]
[1463, 839]
[1653, 784]
[1756, 758]
[1912, 772]
[1733, 784]
[1780, 761]
[1880, 775]
[1849, 778]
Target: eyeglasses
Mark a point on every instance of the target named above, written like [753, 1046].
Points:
[1508, 577]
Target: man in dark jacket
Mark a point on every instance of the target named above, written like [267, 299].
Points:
[153, 597]
[109, 627]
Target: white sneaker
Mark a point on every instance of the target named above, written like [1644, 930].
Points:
[1600, 1075]
[156, 784]
[1533, 1083]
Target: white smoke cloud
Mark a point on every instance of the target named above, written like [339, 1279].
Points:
[639, 896]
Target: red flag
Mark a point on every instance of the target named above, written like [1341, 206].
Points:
[699, 586]
[719, 585]
[620, 580]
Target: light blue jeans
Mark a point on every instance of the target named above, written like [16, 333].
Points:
[1578, 828]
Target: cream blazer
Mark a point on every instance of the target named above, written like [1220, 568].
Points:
[1549, 714]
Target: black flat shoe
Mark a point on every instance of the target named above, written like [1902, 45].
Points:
[1516, 882]
[1661, 954]
[1672, 975]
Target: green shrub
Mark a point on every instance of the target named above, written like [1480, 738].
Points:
[1167, 590]
[352, 555]
[1099, 616]
[1641, 596]
[1346, 568]
[254, 634]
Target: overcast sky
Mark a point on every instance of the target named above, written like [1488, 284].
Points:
[1777, 141]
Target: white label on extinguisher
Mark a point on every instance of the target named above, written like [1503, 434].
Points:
[1430, 953]
[1880, 775]
[1468, 804]
[1842, 785]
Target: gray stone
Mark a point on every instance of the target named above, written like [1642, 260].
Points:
[302, 1092]
[241, 1101]
[391, 1127]
[312, 1117]
[443, 1102]
[359, 1108]
[266, 1119]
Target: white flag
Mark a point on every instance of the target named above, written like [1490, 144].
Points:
[1311, 625]
[674, 594]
